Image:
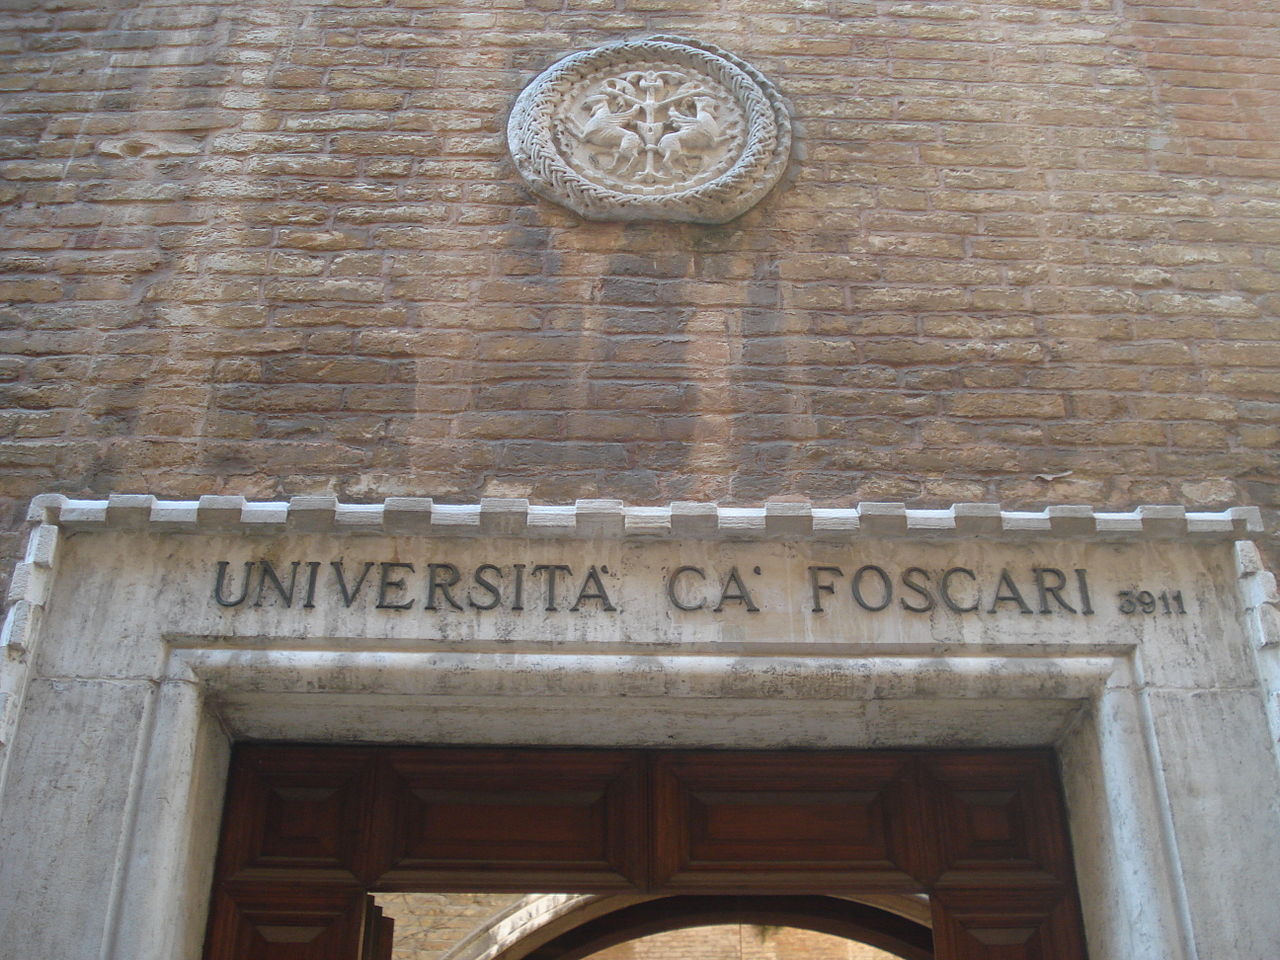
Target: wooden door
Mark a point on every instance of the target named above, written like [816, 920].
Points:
[309, 831]
[274, 922]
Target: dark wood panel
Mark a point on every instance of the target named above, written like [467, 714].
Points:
[819, 823]
[1007, 925]
[996, 819]
[379, 933]
[286, 922]
[506, 819]
[298, 811]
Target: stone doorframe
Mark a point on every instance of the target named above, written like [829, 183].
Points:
[123, 687]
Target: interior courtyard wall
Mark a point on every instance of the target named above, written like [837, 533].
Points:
[430, 925]
[1025, 252]
[742, 941]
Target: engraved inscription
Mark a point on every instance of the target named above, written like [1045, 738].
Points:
[1146, 602]
[820, 589]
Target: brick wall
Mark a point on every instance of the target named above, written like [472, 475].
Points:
[429, 925]
[1026, 252]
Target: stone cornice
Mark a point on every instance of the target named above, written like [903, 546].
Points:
[502, 517]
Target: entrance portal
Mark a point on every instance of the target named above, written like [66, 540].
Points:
[773, 837]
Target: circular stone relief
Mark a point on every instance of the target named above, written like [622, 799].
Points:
[666, 128]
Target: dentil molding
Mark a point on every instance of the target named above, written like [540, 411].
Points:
[397, 516]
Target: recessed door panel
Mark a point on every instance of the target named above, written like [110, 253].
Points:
[997, 819]
[487, 819]
[810, 822]
[286, 922]
[298, 810]
[1006, 925]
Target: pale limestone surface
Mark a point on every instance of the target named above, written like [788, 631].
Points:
[125, 680]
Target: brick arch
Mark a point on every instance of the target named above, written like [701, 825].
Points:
[534, 920]
[608, 921]
[523, 927]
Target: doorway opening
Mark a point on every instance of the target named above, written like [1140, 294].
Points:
[638, 843]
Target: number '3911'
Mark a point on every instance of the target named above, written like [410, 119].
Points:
[1144, 601]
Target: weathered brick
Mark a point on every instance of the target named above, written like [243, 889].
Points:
[1011, 404]
[983, 265]
[367, 291]
[38, 290]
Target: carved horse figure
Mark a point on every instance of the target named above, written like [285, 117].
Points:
[694, 133]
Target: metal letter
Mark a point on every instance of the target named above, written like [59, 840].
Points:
[671, 588]
[741, 594]
[929, 602]
[313, 571]
[385, 584]
[856, 585]
[820, 588]
[485, 585]
[348, 598]
[944, 588]
[442, 585]
[269, 571]
[552, 569]
[1012, 596]
[517, 600]
[597, 592]
[1055, 590]
[1085, 606]
[221, 579]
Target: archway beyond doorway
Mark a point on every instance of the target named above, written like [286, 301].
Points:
[479, 926]
[830, 915]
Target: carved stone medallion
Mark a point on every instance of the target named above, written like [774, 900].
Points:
[666, 128]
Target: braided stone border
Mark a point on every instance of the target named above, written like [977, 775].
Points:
[530, 137]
